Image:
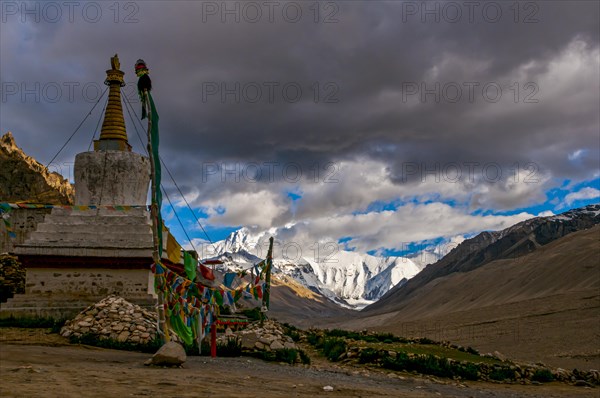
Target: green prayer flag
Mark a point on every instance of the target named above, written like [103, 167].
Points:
[189, 264]
[218, 297]
[183, 331]
[154, 141]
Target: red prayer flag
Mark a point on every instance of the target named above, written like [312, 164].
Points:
[207, 273]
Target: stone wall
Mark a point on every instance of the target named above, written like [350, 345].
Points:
[111, 178]
[89, 281]
[61, 293]
[23, 222]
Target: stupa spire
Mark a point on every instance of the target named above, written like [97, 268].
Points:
[113, 135]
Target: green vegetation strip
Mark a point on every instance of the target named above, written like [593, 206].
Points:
[424, 356]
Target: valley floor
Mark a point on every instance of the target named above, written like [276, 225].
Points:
[30, 370]
[560, 330]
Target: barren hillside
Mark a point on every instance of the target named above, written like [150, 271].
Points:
[542, 306]
[23, 179]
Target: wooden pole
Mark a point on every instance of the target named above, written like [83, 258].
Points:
[267, 292]
[213, 339]
[156, 229]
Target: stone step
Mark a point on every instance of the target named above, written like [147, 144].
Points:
[108, 229]
[32, 301]
[59, 308]
[116, 237]
[67, 246]
[42, 302]
[85, 251]
[77, 219]
[102, 211]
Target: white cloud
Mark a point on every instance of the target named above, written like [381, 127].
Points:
[576, 154]
[546, 213]
[246, 208]
[584, 193]
[394, 229]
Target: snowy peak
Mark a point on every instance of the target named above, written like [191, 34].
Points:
[348, 278]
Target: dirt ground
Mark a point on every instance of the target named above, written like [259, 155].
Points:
[34, 363]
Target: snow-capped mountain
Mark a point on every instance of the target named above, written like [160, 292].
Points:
[349, 278]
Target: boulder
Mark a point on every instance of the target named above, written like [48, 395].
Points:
[248, 340]
[170, 354]
[276, 345]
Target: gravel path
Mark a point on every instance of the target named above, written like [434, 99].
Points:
[81, 371]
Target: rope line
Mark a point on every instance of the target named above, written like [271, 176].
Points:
[128, 105]
[178, 219]
[78, 127]
[97, 124]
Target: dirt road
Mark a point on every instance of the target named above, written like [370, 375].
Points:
[28, 370]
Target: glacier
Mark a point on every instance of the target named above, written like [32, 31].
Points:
[349, 278]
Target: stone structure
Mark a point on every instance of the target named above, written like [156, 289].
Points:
[114, 318]
[23, 179]
[23, 223]
[77, 256]
[261, 336]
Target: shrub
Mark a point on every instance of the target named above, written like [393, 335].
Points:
[12, 277]
[430, 364]
[344, 333]
[332, 348]
[542, 375]
[304, 358]
[502, 374]
[387, 338]
[292, 332]
[369, 355]
[370, 339]
[93, 340]
[253, 314]
[54, 324]
[313, 339]
[192, 350]
[283, 355]
[365, 336]
[231, 348]
[287, 355]
[468, 371]
[473, 351]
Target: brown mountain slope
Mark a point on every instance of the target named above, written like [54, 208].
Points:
[544, 306]
[300, 306]
[511, 243]
[23, 179]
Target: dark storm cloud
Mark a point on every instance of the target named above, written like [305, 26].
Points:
[369, 57]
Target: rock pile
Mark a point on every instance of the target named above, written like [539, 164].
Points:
[114, 318]
[256, 337]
